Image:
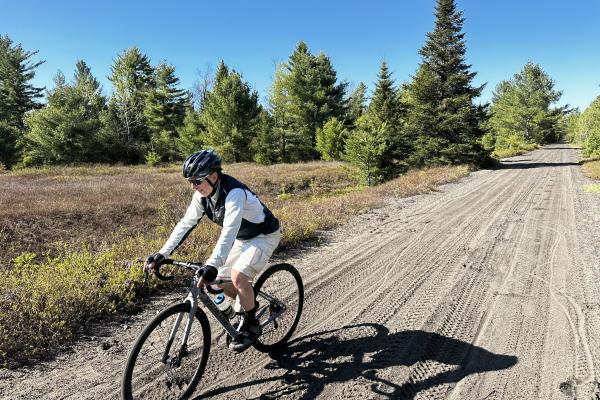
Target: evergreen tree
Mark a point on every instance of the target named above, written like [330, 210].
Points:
[365, 147]
[442, 117]
[331, 139]
[17, 97]
[231, 114]
[521, 110]
[191, 133]
[311, 97]
[357, 104]
[68, 128]
[385, 109]
[164, 112]
[587, 129]
[279, 106]
[126, 126]
[265, 144]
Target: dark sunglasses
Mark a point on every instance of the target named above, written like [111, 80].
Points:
[196, 181]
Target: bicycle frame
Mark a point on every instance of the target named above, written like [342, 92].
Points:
[193, 296]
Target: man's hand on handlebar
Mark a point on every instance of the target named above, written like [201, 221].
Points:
[153, 261]
[207, 274]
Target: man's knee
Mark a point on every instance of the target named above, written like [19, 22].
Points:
[239, 278]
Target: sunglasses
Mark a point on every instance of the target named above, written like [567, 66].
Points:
[196, 181]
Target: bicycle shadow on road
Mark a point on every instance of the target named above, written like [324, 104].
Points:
[360, 353]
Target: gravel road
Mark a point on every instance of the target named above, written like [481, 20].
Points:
[486, 289]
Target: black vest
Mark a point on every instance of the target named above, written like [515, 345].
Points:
[248, 230]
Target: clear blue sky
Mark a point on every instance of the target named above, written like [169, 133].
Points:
[253, 36]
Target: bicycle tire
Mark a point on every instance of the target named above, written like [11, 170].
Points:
[283, 282]
[156, 380]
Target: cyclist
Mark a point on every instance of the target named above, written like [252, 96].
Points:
[250, 233]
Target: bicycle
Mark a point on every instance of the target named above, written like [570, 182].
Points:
[169, 357]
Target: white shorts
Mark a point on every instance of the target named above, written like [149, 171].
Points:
[250, 256]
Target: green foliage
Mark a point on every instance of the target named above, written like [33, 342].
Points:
[9, 135]
[191, 133]
[17, 97]
[584, 129]
[521, 110]
[230, 115]
[126, 128]
[68, 128]
[386, 112]
[442, 119]
[365, 147]
[152, 158]
[165, 111]
[305, 95]
[331, 140]
[265, 143]
[356, 104]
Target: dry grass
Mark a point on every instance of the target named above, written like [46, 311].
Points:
[591, 169]
[89, 227]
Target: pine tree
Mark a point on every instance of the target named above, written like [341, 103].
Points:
[68, 128]
[17, 97]
[132, 78]
[265, 144]
[191, 133]
[442, 117]
[521, 111]
[331, 139]
[365, 147]
[307, 87]
[357, 104]
[164, 111]
[230, 115]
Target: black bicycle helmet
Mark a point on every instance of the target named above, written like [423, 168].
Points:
[201, 164]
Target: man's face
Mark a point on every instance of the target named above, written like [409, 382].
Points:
[202, 186]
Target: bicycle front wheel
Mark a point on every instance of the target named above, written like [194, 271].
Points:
[280, 295]
[160, 368]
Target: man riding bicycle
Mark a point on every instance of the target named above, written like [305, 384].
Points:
[248, 238]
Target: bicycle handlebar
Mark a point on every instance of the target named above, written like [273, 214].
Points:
[194, 266]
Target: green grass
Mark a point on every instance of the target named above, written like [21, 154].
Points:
[115, 216]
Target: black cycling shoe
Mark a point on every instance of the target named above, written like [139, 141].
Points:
[249, 330]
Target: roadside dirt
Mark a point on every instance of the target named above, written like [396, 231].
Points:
[487, 289]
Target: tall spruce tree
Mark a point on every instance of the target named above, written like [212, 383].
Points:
[132, 78]
[385, 109]
[165, 111]
[17, 97]
[68, 128]
[231, 115]
[442, 117]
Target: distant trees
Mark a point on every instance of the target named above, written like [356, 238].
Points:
[522, 112]
[584, 129]
[308, 114]
[68, 128]
[17, 97]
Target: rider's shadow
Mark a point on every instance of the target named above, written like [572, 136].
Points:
[357, 353]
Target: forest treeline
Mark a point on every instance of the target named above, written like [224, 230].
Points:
[432, 118]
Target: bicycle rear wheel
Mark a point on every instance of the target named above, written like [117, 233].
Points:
[280, 294]
[156, 370]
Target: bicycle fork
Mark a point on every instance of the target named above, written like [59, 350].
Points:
[176, 360]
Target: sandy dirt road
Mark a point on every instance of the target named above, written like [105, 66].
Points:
[487, 289]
